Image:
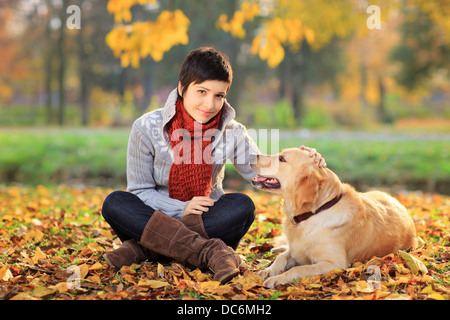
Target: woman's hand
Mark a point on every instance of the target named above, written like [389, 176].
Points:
[318, 157]
[198, 205]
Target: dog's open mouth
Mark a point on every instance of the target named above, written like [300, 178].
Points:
[264, 182]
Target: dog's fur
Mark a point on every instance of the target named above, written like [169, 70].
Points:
[358, 227]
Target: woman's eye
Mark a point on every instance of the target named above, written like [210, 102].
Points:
[282, 159]
[201, 91]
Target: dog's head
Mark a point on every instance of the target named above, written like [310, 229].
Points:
[293, 174]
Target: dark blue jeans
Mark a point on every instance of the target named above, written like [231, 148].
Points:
[228, 219]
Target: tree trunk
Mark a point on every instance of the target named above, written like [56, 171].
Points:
[297, 85]
[61, 70]
[48, 66]
[83, 69]
[381, 106]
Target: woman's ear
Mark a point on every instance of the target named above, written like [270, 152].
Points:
[180, 89]
[307, 191]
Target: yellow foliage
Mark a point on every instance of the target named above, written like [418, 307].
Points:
[269, 43]
[287, 23]
[5, 91]
[439, 12]
[141, 39]
[247, 12]
[121, 8]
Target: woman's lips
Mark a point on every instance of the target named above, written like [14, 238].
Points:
[205, 113]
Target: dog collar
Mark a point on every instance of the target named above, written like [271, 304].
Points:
[305, 216]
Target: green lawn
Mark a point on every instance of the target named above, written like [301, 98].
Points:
[98, 157]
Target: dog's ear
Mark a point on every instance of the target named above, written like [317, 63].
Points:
[307, 190]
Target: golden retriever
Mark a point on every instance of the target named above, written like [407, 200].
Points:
[328, 224]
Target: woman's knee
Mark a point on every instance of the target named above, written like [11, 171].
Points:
[243, 206]
[111, 202]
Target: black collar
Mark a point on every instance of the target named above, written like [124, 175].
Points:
[305, 216]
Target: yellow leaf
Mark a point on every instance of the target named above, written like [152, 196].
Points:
[60, 287]
[160, 270]
[95, 279]
[38, 255]
[427, 290]
[40, 291]
[414, 264]
[5, 273]
[7, 217]
[437, 296]
[209, 286]
[84, 269]
[154, 284]
[96, 266]
[23, 296]
[38, 236]
[361, 286]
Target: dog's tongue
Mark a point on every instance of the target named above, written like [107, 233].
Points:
[260, 179]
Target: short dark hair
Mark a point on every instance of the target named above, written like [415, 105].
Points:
[205, 63]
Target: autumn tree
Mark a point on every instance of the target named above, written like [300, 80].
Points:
[282, 25]
[425, 44]
[14, 67]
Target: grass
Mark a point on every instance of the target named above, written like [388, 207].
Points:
[47, 156]
[98, 157]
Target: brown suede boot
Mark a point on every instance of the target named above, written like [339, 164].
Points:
[132, 252]
[171, 238]
[195, 223]
[129, 252]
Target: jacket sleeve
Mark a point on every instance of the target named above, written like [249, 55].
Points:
[140, 180]
[244, 153]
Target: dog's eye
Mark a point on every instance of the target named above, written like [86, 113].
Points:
[282, 159]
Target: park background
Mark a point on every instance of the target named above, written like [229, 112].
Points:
[366, 83]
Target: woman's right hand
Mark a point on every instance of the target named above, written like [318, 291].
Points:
[198, 205]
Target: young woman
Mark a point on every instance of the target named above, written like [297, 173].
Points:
[175, 205]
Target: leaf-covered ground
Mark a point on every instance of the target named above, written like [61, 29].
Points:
[52, 242]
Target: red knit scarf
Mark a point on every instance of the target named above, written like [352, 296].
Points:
[191, 173]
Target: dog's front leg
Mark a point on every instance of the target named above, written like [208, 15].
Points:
[303, 271]
[280, 264]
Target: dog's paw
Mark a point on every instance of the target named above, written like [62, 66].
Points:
[272, 282]
[279, 249]
[265, 273]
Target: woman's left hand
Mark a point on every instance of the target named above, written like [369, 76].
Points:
[314, 154]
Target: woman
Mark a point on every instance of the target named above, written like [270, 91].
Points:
[175, 205]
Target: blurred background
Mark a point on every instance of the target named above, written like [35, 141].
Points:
[366, 83]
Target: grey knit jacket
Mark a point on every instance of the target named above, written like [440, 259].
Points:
[150, 156]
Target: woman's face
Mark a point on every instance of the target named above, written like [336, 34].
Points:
[203, 101]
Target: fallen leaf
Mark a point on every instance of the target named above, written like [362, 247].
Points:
[154, 284]
[96, 266]
[60, 287]
[160, 271]
[38, 255]
[84, 269]
[5, 273]
[414, 264]
[40, 291]
[23, 296]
